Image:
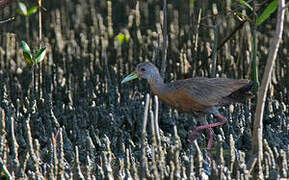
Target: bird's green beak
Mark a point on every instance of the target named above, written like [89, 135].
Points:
[130, 77]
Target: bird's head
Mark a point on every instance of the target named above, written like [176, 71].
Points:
[144, 70]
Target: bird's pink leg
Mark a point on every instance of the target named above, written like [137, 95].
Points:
[222, 119]
[210, 142]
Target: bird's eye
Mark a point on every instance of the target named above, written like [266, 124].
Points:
[142, 69]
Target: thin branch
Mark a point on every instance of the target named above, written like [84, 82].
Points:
[143, 138]
[197, 31]
[145, 117]
[164, 52]
[231, 34]
[7, 20]
[214, 52]
[286, 6]
[254, 48]
[257, 145]
[237, 29]
[40, 19]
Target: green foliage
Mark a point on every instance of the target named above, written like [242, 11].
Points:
[121, 38]
[26, 48]
[40, 54]
[246, 4]
[32, 10]
[32, 60]
[27, 52]
[271, 8]
[23, 9]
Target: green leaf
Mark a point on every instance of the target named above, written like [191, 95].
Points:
[267, 12]
[27, 52]
[246, 4]
[20, 12]
[121, 38]
[28, 58]
[32, 10]
[40, 54]
[22, 9]
[127, 38]
[26, 48]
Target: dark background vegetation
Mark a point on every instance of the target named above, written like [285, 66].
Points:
[81, 122]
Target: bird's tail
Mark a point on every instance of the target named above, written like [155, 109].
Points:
[243, 93]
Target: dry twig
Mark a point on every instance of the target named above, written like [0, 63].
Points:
[262, 92]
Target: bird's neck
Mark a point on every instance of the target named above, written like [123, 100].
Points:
[157, 85]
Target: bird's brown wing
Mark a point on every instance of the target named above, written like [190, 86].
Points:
[209, 91]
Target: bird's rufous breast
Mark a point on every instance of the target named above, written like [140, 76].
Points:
[179, 99]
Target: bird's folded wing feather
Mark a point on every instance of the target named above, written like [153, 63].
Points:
[209, 91]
